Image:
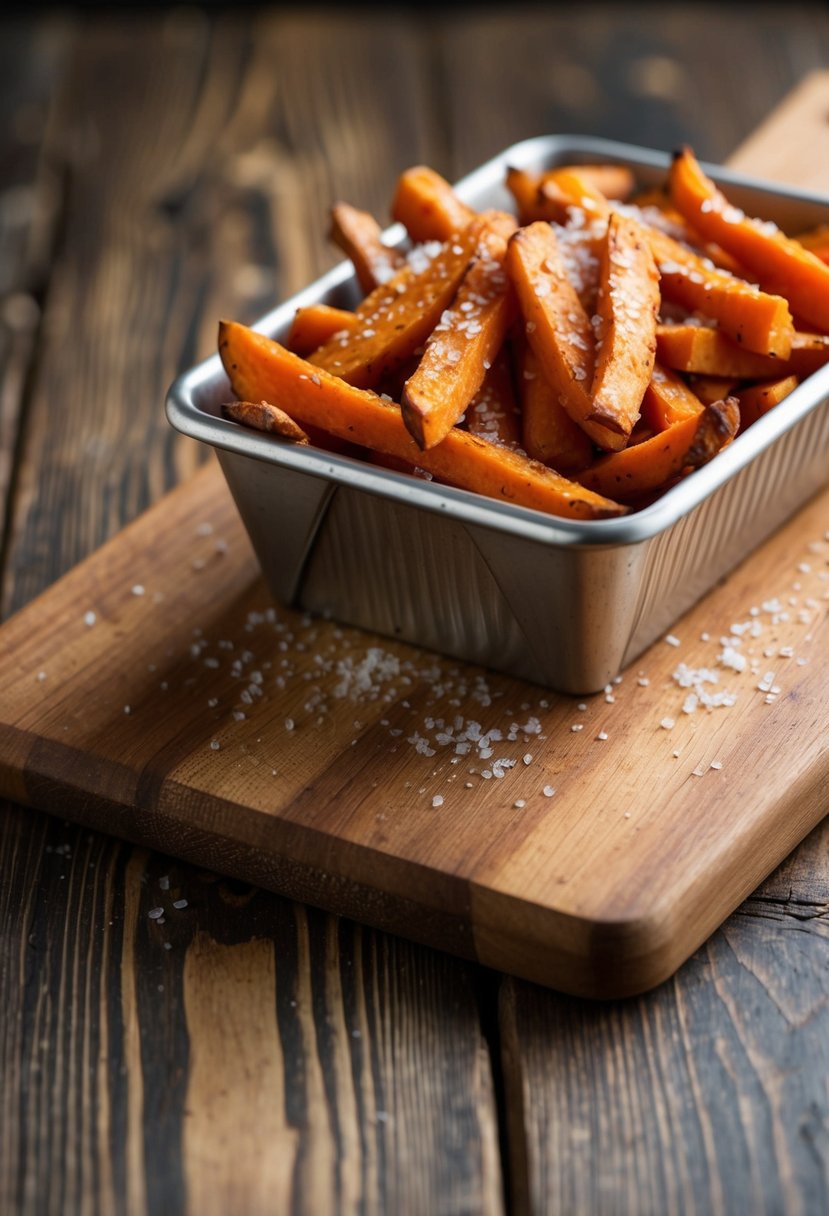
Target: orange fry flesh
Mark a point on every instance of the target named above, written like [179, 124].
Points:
[492, 413]
[758, 399]
[705, 351]
[759, 321]
[260, 368]
[314, 325]
[548, 432]
[557, 326]
[398, 316]
[358, 235]
[627, 307]
[780, 263]
[655, 462]
[668, 400]
[427, 206]
[464, 342]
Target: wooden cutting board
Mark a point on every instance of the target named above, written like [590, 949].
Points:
[155, 693]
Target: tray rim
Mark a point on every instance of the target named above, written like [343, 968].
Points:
[187, 416]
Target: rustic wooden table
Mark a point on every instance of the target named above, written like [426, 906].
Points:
[158, 170]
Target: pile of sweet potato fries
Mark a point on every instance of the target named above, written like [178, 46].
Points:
[577, 358]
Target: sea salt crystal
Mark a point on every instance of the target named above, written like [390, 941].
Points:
[179, 903]
[671, 640]
[437, 800]
[548, 791]
[155, 913]
[89, 618]
[215, 745]
[667, 723]
[138, 589]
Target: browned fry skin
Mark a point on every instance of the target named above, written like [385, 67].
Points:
[465, 341]
[358, 235]
[627, 309]
[263, 416]
[398, 317]
[260, 367]
[656, 462]
[557, 326]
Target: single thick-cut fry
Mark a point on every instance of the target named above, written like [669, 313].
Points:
[548, 432]
[427, 206]
[260, 368]
[651, 465]
[557, 326]
[263, 416]
[758, 399]
[627, 308]
[316, 324]
[706, 351]
[668, 400]
[399, 316]
[464, 342]
[780, 263]
[358, 235]
[492, 412]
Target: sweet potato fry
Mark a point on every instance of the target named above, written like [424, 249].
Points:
[627, 308]
[260, 368]
[780, 263]
[492, 412]
[758, 399]
[758, 321]
[314, 325]
[712, 388]
[706, 351]
[358, 235]
[398, 316]
[464, 342]
[427, 206]
[548, 432]
[668, 400]
[651, 465]
[263, 416]
[557, 326]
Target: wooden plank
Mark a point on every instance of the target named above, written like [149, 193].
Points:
[356, 1063]
[30, 59]
[242, 1053]
[618, 71]
[263, 748]
[709, 1095]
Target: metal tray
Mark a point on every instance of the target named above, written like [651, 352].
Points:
[563, 603]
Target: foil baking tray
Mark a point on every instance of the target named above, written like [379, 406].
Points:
[563, 603]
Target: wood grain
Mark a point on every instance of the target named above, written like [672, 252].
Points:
[186, 147]
[467, 91]
[709, 1094]
[249, 766]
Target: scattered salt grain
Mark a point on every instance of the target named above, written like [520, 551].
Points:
[215, 745]
[528, 759]
[41, 675]
[155, 913]
[138, 589]
[89, 619]
[671, 640]
[164, 882]
[667, 723]
[602, 735]
[548, 791]
[179, 903]
[716, 764]
[519, 803]
[577, 726]
[289, 724]
[437, 800]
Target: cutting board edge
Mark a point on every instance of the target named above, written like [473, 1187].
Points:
[592, 957]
